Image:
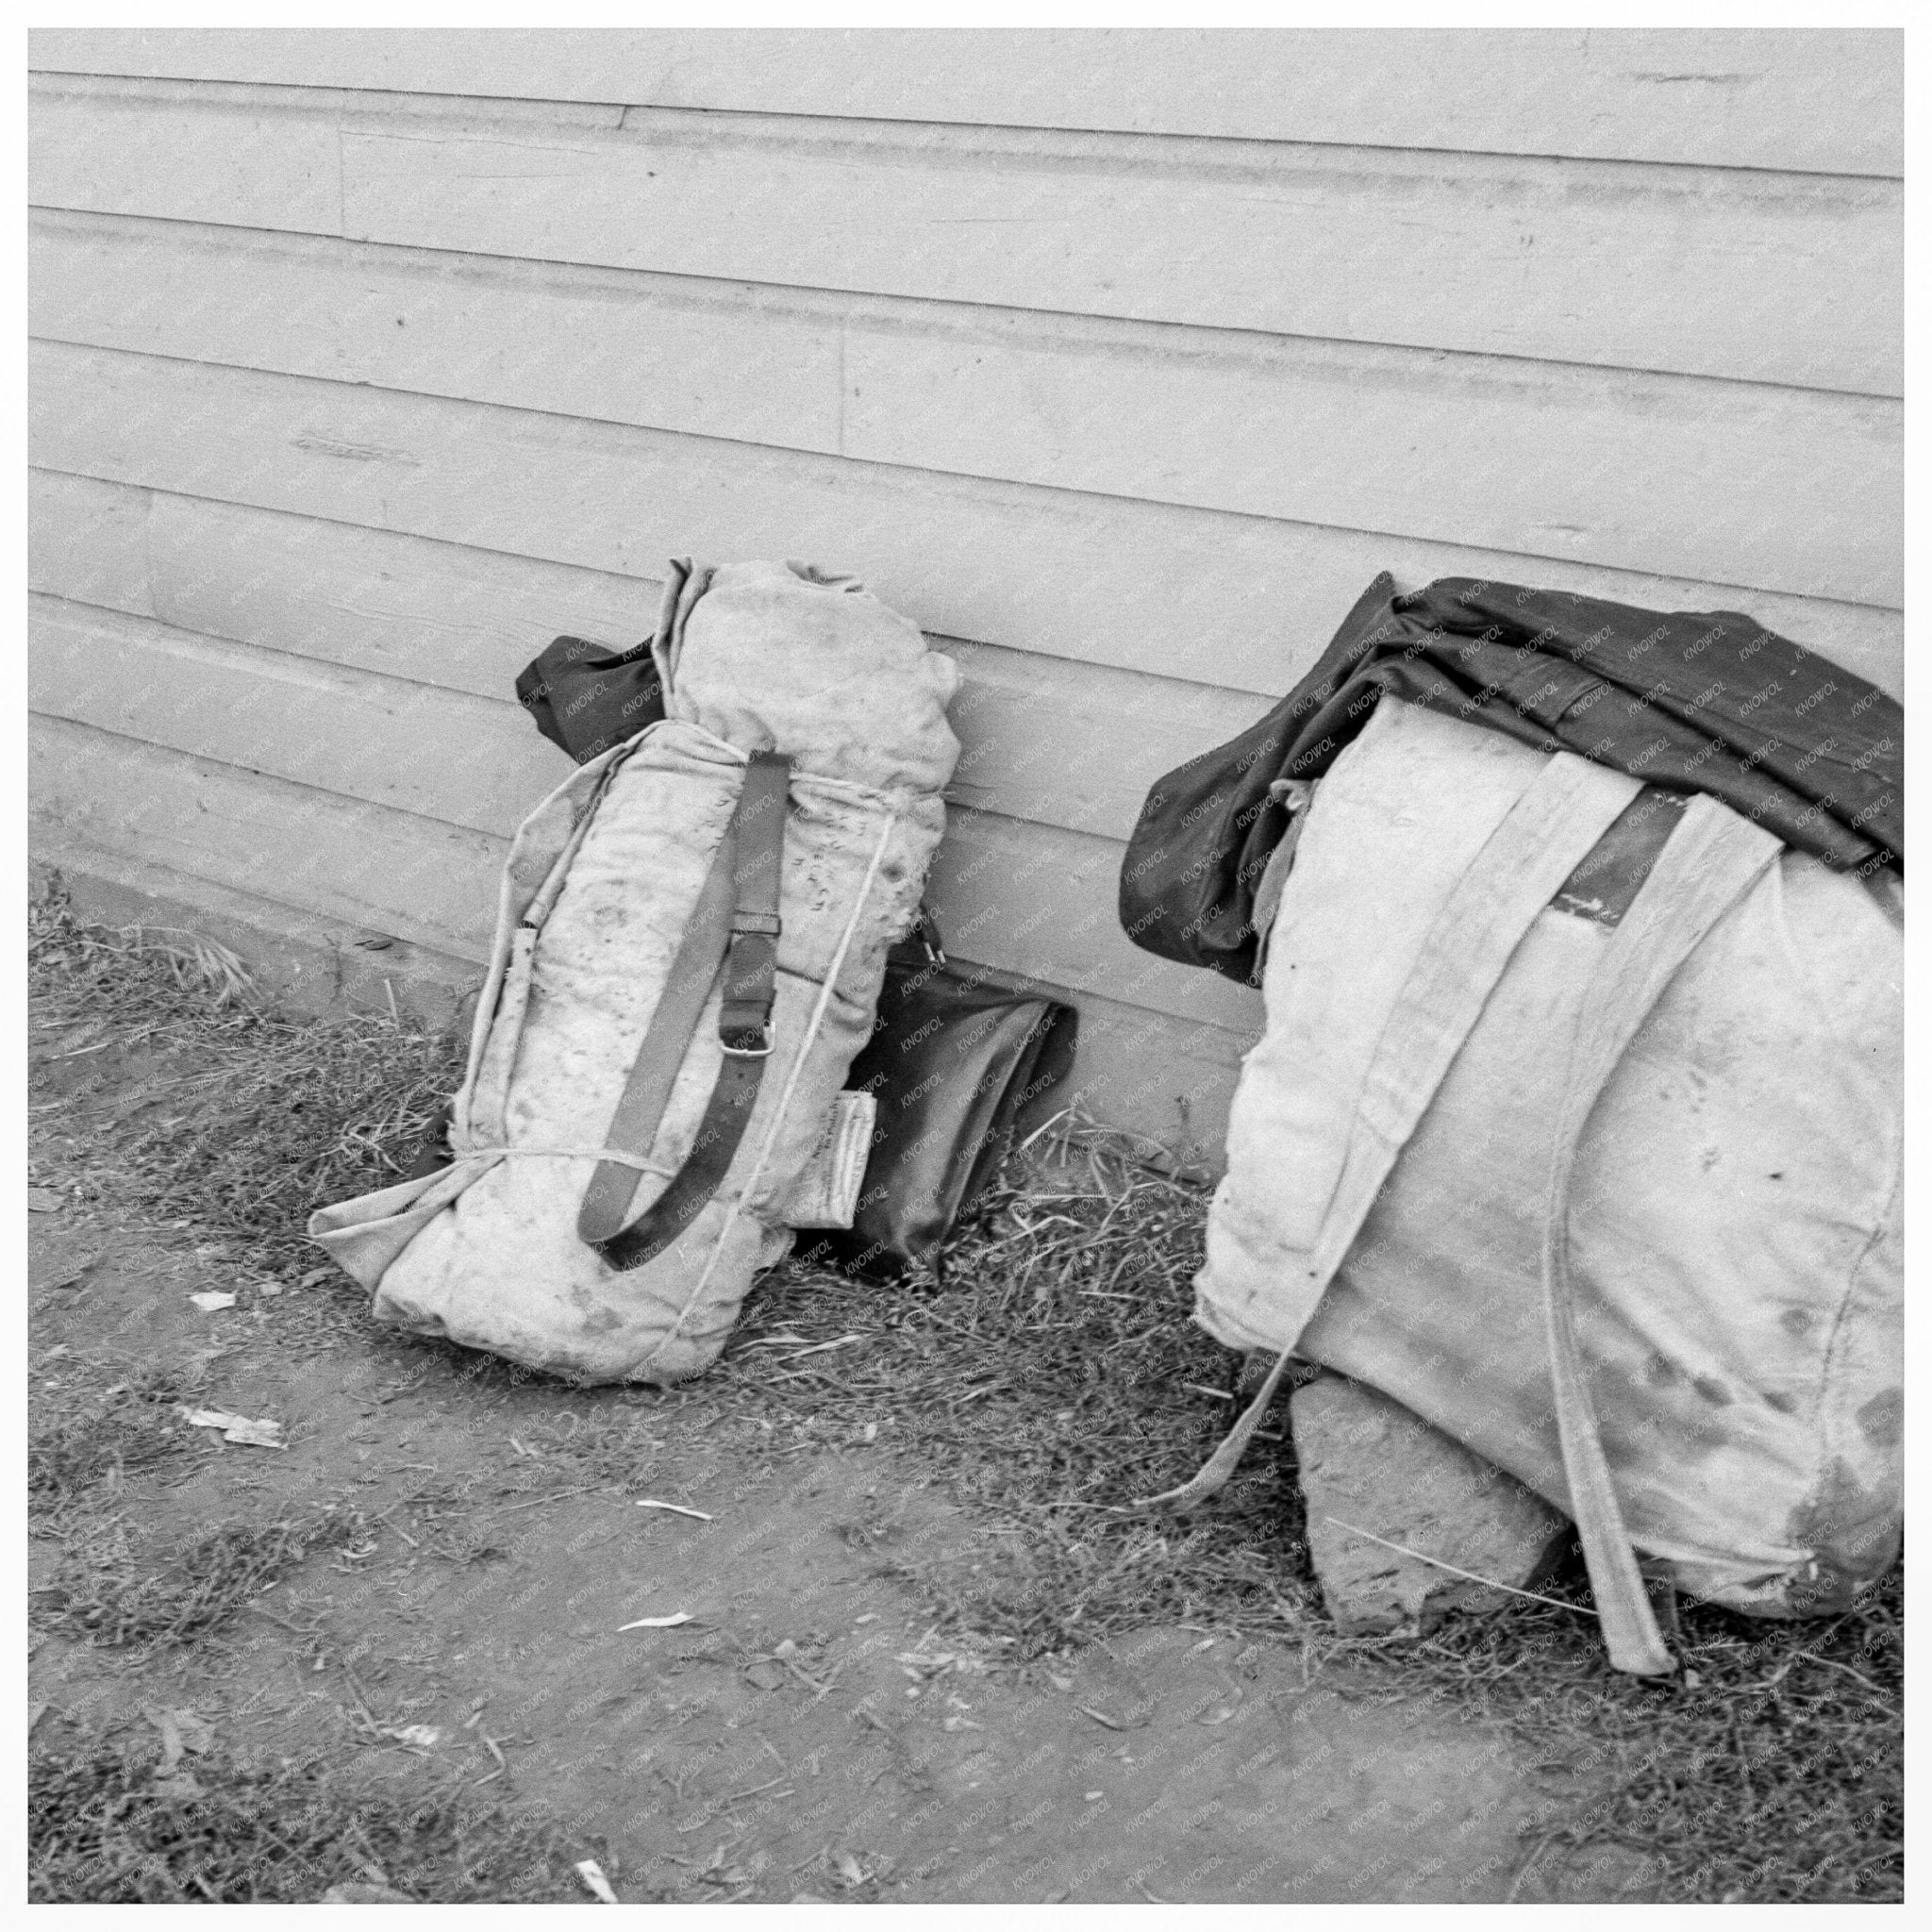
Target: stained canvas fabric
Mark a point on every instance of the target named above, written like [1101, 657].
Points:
[600, 883]
[1702, 702]
[1733, 1223]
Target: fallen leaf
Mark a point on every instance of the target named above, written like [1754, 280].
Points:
[44, 1201]
[264, 1434]
[1059, 1683]
[849, 1870]
[35, 1712]
[425, 1736]
[592, 1874]
[655, 1623]
[1100, 1717]
[357, 1894]
[314, 1275]
[210, 1299]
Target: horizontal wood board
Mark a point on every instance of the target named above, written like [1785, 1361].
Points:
[1829, 100]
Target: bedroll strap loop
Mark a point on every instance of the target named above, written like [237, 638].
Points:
[735, 926]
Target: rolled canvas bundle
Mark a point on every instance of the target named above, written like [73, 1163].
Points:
[781, 685]
[1606, 1186]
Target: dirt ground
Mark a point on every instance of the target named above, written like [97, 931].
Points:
[806, 1732]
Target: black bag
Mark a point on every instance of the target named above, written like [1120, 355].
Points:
[958, 1066]
[1689, 701]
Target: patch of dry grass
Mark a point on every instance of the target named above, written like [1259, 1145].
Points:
[246, 1119]
[81, 1439]
[1770, 1770]
[115, 1592]
[104, 1827]
[1052, 1371]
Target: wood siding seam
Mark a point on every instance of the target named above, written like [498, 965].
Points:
[1104, 151]
[1811, 100]
[291, 789]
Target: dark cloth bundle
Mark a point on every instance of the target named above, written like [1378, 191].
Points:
[584, 697]
[1690, 701]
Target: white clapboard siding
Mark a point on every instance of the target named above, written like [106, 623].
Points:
[1241, 602]
[1823, 100]
[468, 762]
[440, 613]
[88, 541]
[304, 847]
[1783, 489]
[1030, 897]
[1731, 272]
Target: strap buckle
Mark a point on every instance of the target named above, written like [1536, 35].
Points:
[733, 1042]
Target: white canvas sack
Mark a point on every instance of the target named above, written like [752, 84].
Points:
[601, 882]
[1615, 1206]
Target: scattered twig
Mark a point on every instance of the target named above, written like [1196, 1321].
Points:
[1469, 1575]
[548, 1497]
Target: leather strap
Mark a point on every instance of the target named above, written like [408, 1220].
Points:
[736, 916]
[1712, 860]
[660, 1055]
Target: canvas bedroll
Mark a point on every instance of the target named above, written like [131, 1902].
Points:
[1615, 1204]
[774, 675]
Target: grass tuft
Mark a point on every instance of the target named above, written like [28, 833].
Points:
[106, 1592]
[245, 1119]
[88, 1438]
[103, 1828]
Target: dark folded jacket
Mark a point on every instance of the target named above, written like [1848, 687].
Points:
[586, 697]
[1689, 701]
